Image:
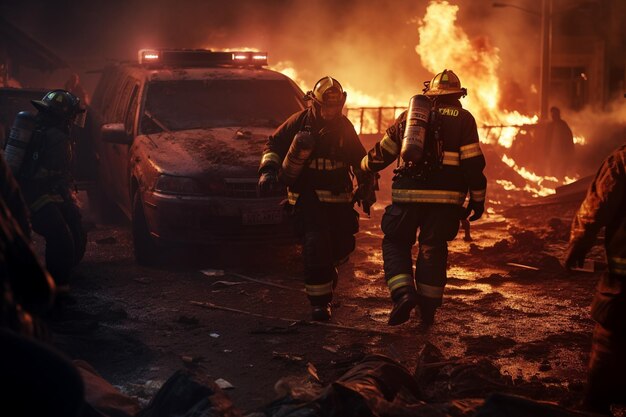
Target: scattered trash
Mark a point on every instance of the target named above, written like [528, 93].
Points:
[213, 272]
[191, 359]
[312, 370]
[227, 351]
[107, 241]
[224, 384]
[214, 335]
[331, 349]
[287, 356]
[531, 268]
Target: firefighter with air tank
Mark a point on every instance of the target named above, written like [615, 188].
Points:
[315, 152]
[39, 153]
[439, 160]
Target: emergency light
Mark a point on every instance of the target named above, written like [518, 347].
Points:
[201, 58]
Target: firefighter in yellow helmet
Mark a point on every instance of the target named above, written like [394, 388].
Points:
[314, 152]
[428, 193]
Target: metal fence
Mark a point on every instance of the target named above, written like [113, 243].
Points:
[372, 120]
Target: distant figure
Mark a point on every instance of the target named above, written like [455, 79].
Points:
[559, 145]
[73, 86]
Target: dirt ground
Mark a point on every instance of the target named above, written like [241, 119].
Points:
[529, 327]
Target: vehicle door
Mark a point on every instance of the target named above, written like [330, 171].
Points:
[126, 112]
[104, 111]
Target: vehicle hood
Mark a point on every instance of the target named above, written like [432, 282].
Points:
[230, 151]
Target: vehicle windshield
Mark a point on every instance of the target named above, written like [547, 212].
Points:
[197, 104]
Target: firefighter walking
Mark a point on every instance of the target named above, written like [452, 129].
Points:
[605, 206]
[436, 145]
[313, 153]
[39, 152]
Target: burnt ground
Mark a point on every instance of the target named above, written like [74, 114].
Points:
[519, 330]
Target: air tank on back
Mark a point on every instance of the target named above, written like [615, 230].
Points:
[19, 139]
[417, 118]
[299, 152]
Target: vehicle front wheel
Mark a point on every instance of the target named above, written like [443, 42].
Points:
[146, 250]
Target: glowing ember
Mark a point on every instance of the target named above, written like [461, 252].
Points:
[507, 185]
[539, 186]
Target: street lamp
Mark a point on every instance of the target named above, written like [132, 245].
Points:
[546, 44]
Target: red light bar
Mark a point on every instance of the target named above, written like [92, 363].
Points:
[148, 55]
[254, 58]
[200, 58]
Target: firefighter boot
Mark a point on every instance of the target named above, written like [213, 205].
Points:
[427, 307]
[404, 300]
[321, 312]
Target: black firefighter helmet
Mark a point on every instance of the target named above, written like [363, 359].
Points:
[59, 103]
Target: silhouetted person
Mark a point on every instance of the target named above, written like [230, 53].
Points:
[559, 145]
[74, 86]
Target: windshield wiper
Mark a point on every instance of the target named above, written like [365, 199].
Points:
[156, 121]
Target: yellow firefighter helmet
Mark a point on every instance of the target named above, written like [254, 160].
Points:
[328, 91]
[446, 82]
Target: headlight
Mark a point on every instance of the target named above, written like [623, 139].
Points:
[169, 184]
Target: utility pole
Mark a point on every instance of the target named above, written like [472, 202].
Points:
[545, 65]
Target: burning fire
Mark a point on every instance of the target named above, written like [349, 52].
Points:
[539, 190]
[443, 44]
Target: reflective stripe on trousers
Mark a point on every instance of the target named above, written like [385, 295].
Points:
[427, 196]
[324, 196]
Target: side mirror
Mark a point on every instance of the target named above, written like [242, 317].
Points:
[115, 133]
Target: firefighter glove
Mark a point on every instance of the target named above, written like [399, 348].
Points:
[478, 207]
[267, 182]
[575, 256]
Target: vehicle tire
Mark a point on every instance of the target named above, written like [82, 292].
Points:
[145, 249]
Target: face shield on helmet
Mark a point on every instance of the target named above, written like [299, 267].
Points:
[328, 98]
[444, 83]
[61, 105]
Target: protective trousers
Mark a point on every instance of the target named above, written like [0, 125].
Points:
[607, 364]
[60, 225]
[607, 370]
[327, 231]
[437, 224]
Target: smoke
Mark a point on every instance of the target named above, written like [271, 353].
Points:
[369, 46]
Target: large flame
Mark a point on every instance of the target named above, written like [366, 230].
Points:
[444, 44]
